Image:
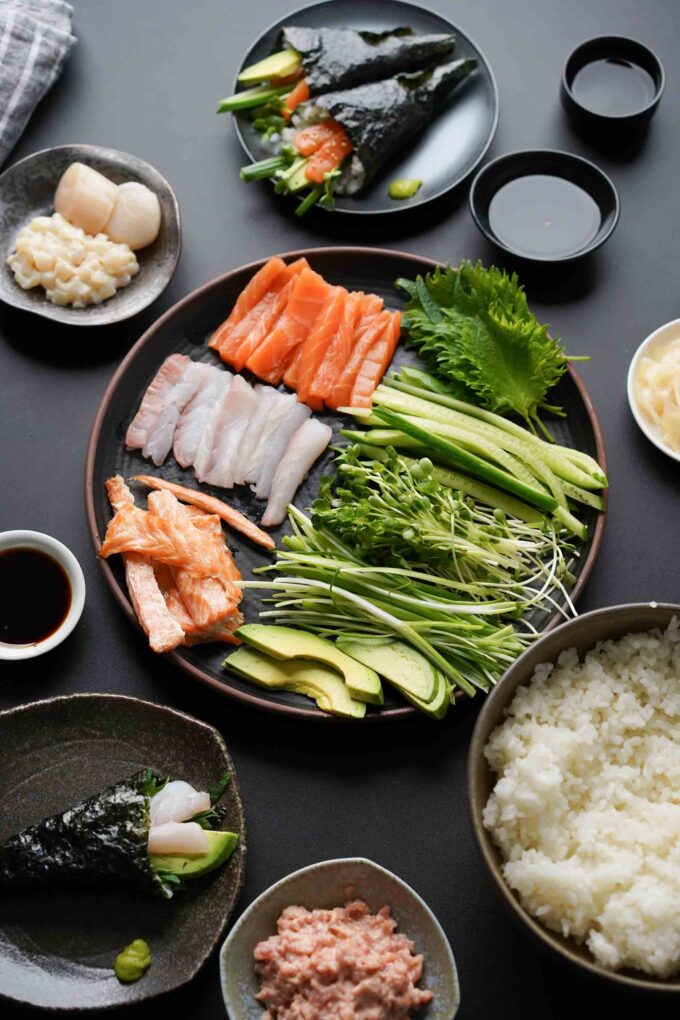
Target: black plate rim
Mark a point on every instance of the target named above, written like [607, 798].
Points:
[57, 313]
[254, 699]
[419, 203]
[84, 696]
[529, 155]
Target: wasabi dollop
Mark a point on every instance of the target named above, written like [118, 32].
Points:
[404, 187]
[132, 961]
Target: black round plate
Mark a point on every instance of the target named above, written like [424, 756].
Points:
[57, 949]
[552, 163]
[450, 147]
[185, 328]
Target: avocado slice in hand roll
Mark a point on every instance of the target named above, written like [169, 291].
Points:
[108, 839]
[342, 140]
[333, 58]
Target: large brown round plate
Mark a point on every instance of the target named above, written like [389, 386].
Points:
[57, 947]
[185, 328]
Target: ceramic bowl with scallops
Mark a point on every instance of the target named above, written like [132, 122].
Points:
[89, 236]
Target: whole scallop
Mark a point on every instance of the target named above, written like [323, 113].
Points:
[136, 216]
[85, 198]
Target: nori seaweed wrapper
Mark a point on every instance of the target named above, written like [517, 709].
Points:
[340, 58]
[102, 841]
[381, 117]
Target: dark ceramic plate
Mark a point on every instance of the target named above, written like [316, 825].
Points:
[27, 189]
[185, 328]
[450, 147]
[57, 949]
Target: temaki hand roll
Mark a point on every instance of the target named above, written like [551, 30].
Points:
[142, 833]
[312, 61]
[340, 58]
[338, 143]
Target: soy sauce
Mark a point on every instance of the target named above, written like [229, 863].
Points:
[35, 596]
[613, 87]
[541, 215]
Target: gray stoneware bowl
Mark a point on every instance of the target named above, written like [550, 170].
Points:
[583, 633]
[324, 885]
[27, 189]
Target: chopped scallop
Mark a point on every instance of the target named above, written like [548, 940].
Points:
[310, 440]
[85, 198]
[177, 838]
[136, 216]
[177, 802]
[196, 414]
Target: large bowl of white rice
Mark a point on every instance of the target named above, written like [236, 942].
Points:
[574, 784]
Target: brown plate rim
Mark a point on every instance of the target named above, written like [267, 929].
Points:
[294, 711]
[16, 710]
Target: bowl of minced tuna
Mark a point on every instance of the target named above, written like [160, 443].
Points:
[574, 783]
[344, 939]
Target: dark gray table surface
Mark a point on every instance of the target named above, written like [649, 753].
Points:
[145, 78]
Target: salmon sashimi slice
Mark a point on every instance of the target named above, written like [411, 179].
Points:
[207, 599]
[309, 295]
[230, 338]
[337, 355]
[312, 138]
[342, 390]
[260, 328]
[290, 375]
[300, 94]
[212, 505]
[135, 530]
[155, 618]
[375, 363]
[327, 158]
[254, 290]
[319, 339]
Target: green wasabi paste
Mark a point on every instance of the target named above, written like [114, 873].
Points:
[133, 961]
[404, 187]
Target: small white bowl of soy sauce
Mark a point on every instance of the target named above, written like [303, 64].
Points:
[613, 84]
[42, 593]
[543, 205]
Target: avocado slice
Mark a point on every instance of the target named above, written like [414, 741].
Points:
[301, 676]
[298, 180]
[221, 846]
[278, 65]
[252, 98]
[406, 669]
[362, 682]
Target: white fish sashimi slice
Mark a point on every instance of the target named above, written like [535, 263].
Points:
[266, 398]
[160, 438]
[203, 460]
[196, 414]
[310, 440]
[177, 838]
[280, 403]
[177, 802]
[276, 446]
[234, 425]
[156, 396]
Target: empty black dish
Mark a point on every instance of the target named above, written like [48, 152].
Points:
[613, 83]
[543, 205]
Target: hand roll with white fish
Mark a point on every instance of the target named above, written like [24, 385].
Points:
[142, 832]
[338, 144]
[312, 61]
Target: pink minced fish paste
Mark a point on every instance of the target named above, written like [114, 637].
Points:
[344, 963]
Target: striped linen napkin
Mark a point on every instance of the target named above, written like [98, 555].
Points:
[35, 40]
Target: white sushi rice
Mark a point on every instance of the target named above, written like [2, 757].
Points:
[586, 807]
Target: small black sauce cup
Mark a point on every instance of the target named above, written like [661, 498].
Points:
[611, 47]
